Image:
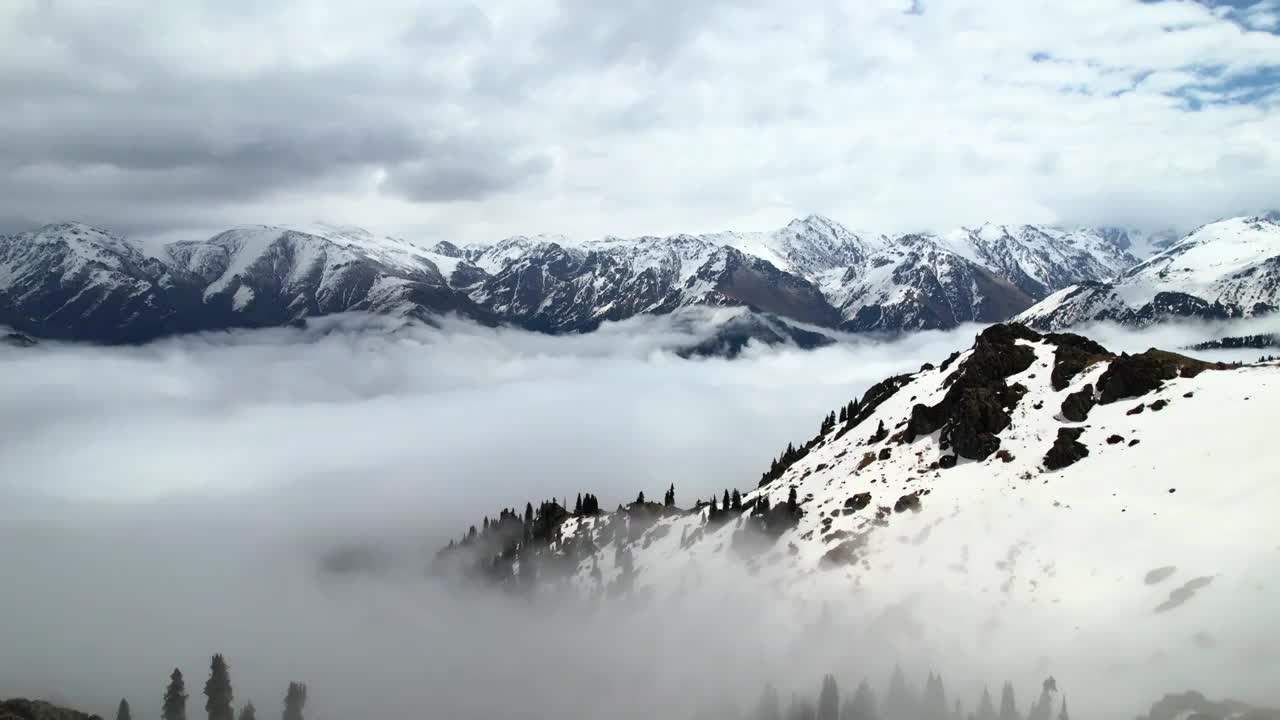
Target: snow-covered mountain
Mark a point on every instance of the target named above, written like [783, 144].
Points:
[1225, 269]
[1033, 486]
[78, 282]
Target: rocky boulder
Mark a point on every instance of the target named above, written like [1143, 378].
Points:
[1077, 405]
[1066, 450]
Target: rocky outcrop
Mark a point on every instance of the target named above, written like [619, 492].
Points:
[1131, 376]
[1066, 450]
[1077, 405]
[1074, 354]
[978, 400]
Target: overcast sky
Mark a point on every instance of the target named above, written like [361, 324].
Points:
[443, 119]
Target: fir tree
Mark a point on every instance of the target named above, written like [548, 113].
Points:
[899, 703]
[248, 712]
[829, 700]
[1008, 706]
[769, 707]
[217, 690]
[863, 706]
[736, 499]
[844, 413]
[640, 498]
[791, 499]
[577, 505]
[986, 708]
[935, 699]
[725, 503]
[122, 711]
[670, 499]
[175, 698]
[1043, 707]
[294, 700]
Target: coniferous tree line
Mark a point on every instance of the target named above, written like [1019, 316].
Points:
[219, 697]
[902, 701]
[847, 416]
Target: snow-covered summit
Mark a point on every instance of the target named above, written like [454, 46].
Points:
[77, 282]
[1229, 268]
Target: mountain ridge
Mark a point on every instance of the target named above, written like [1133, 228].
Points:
[1222, 270]
[73, 281]
[1030, 478]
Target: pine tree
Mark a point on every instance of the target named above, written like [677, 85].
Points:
[248, 712]
[1008, 706]
[844, 413]
[1043, 707]
[829, 700]
[791, 499]
[175, 698]
[217, 690]
[899, 703]
[294, 700]
[577, 505]
[986, 708]
[725, 503]
[670, 499]
[640, 498]
[122, 712]
[863, 706]
[736, 499]
[769, 708]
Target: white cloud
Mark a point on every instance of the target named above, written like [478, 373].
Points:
[631, 118]
[169, 501]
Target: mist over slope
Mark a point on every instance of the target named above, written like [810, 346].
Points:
[277, 496]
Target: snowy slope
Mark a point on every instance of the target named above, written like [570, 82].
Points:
[1229, 268]
[1158, 543]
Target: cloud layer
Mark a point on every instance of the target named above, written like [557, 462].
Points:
[168, 501]
[451, 120]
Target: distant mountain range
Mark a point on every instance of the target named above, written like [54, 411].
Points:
[76, 282]
[1227, 269]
